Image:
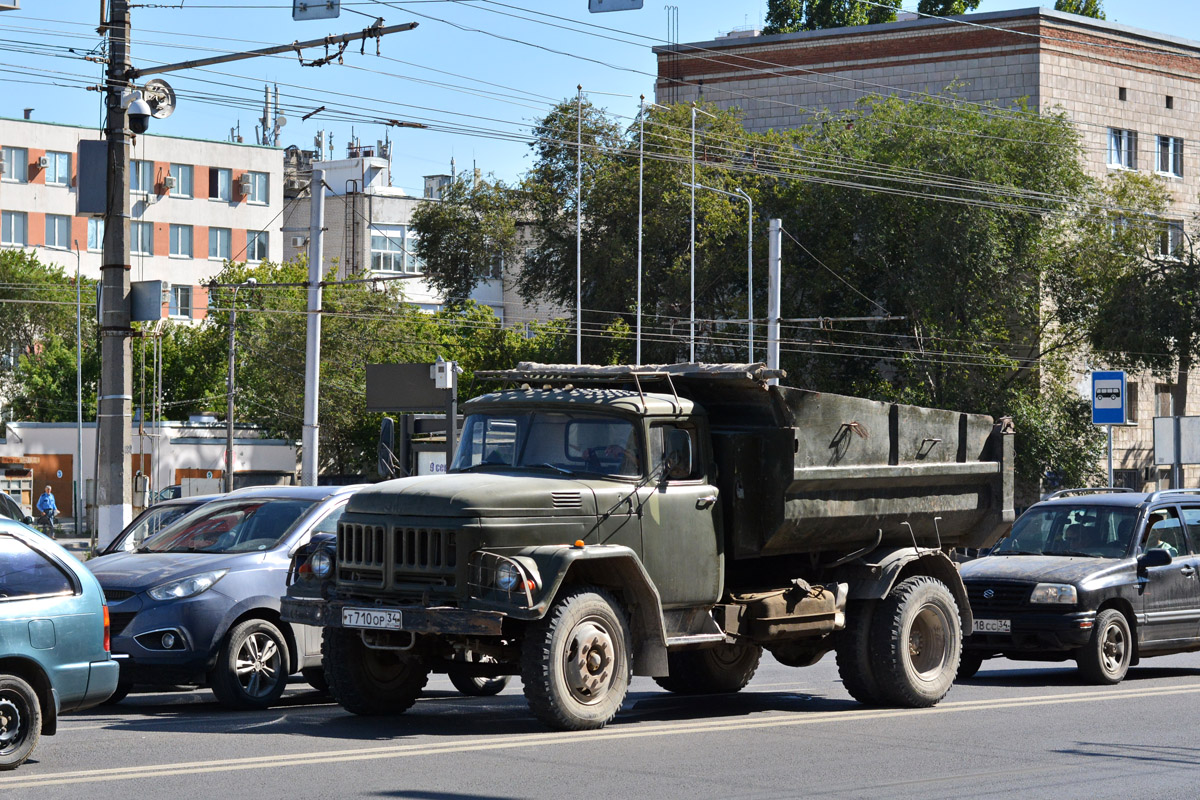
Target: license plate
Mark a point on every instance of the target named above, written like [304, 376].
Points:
[992, 625]
[380, 619]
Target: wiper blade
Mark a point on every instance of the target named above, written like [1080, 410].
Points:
[1074, 553]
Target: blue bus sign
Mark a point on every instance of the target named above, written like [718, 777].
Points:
[1108, 398]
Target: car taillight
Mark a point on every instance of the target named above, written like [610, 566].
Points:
[107, 636]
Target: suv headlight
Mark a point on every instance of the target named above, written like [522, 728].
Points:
[1063, 593]
[187, 587]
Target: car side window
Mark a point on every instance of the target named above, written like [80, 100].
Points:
[1191, 519]
[24, 572]
[1164, 531]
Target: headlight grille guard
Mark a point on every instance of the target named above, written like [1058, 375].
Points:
[483, 568]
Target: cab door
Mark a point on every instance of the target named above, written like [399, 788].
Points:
[680, 540]
[1171, 596]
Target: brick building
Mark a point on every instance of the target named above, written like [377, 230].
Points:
[195, 203]
[1134, 95]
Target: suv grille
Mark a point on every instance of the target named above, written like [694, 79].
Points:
[372, 556]
[1005, 596]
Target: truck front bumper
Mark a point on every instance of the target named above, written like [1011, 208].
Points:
[415, 619]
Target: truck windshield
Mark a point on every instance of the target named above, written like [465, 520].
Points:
[566, 442]
[1064, 529]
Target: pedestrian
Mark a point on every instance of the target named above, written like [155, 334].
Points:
[49, 509]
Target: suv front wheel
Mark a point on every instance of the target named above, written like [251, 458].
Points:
[1105, 658]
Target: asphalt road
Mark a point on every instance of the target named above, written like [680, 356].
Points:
[1015, 730]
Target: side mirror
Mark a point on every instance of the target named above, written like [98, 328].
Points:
[28, 520]
[1156, 557]
[386, 451]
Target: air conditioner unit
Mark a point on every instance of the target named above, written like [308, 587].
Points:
[44, 162]
[299, 241]
[169, 181]
[244, 184]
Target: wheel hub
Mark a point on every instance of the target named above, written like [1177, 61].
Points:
[590, 661]
[256, 665]
[10, 722]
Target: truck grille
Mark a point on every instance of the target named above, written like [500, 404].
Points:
[990, 597]
[372, 556]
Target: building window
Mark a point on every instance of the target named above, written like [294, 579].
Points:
[494, 269]
[14, 228]
[220, 243]
[258, 187]
[1170, 238]
[183, 174]
[58, 231]
[387, 248]
[1164, 400]
[256, 245]
[220, 184]
[58, 168]
[1122, 93]
[1170, 102]
[141, 176]
[95, 234]
[16, 164]
[181, 241]
[412, 264]
[1170, 156]
[180, 304]
[141, 235]
[1122, 148]
[1131, 401]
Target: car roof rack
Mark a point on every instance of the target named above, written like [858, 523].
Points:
[1093, 490]
[1155, 495]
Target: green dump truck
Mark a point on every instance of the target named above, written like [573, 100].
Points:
[672, 521]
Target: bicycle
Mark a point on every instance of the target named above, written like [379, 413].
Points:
[46, 524]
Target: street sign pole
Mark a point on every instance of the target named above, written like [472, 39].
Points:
[1108, 406]
[1110, 475]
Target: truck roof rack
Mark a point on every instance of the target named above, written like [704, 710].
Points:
[1155, 495]
[1093, 490]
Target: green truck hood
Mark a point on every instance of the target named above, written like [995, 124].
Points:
[478, 494]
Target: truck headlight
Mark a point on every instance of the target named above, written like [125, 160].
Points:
[187, 587]
[1063, 593]
[508, 577]
[321, 563]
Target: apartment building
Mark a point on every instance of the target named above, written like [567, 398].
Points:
[1134, 95]
[195, 204]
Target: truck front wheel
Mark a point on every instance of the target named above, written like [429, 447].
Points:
[722, 669]
[575, 661]
[370, 682]
[916, 641]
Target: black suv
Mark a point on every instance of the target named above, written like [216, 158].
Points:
[1102, 576]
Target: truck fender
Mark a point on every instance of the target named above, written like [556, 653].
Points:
[619, 570]
[873, 580]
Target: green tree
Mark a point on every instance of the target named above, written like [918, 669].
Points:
[947, 8]
[788, 16]
[1085, 8]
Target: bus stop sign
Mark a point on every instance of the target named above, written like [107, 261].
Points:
[1108, 398]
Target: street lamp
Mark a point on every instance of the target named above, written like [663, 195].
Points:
[230, 387]
[739, 193]
[692, 293]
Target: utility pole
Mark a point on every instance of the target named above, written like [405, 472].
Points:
[114, 440]
[774, 283]
[309, 442]
[229, 388]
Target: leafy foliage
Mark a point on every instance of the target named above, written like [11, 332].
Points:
[787, 16]
[1085, 8]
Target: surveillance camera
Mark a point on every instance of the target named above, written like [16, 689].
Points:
[139, 115]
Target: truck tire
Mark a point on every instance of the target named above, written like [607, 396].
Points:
[367, 682]
[968, 664]
[476, 685]
[20, 721]
[854, 653]
[316, 678]
[252, 666]
[1105, 658]
[576, 661]
[916, 640]
[723, 669]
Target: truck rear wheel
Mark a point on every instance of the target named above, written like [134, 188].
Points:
[916, 641]
[854, 653]
[370, 682]
[722, 669]
[575, 661]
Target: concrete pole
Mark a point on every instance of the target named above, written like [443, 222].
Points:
[641, 165]
[749, 272]
[775, 268]
[77, 500]
[229, 387]
[312, 352]
[692, 251]
[579, 225]
[114, 440]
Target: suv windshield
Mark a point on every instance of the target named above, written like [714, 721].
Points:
[567, 442]
[237, 526]
[151, 521]
[1065, 529]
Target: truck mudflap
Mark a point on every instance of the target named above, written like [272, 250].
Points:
[412, 618]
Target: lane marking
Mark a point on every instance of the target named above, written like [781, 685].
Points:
[769, 720]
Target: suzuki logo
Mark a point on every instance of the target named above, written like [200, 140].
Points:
[988, 594]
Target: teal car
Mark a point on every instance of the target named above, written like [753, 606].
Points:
[54, 640]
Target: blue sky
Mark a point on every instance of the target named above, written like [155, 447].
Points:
[479, 91]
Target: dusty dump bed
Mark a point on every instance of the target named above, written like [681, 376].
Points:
[805, 472]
